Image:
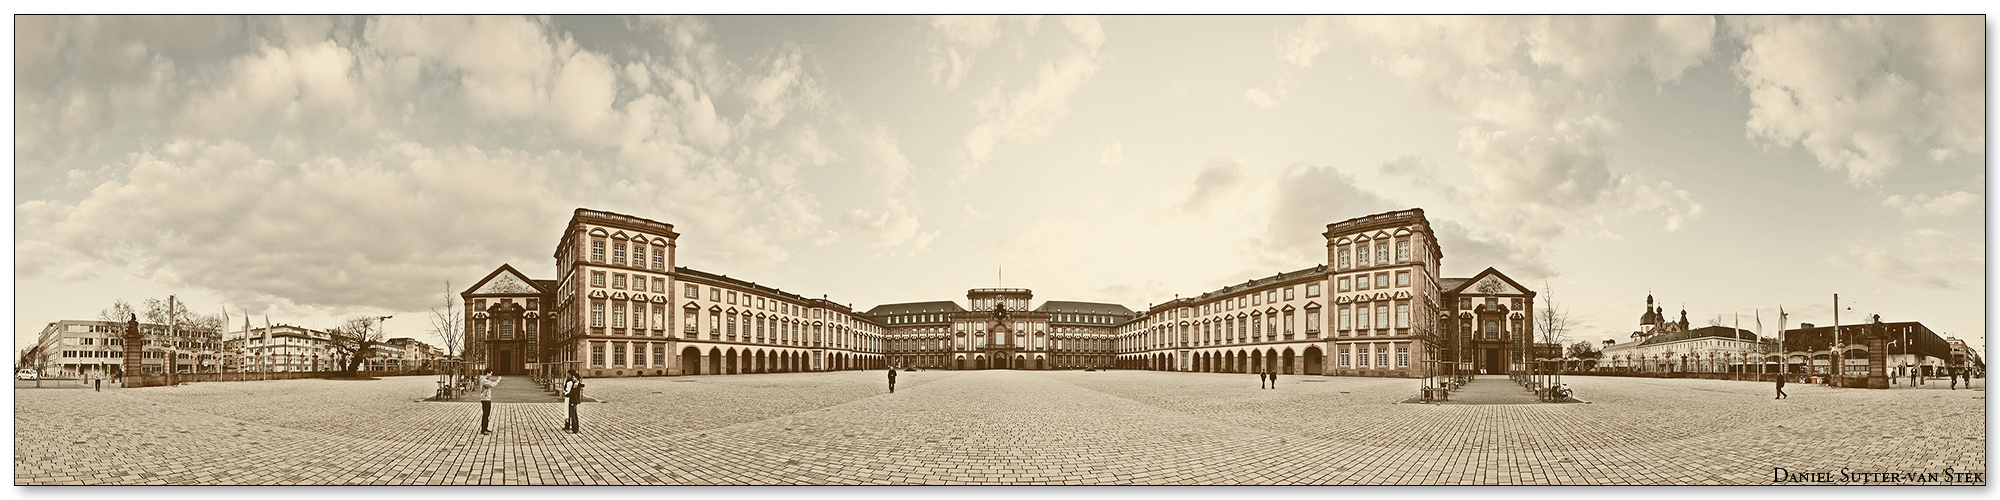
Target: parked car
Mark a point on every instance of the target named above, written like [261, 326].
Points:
[26, 374]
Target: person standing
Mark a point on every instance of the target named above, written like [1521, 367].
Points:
[573, 389]
[1261, 380]
[1781, 386]
[486, 382]
[892, 380]
[1274, 378]
[98, 378]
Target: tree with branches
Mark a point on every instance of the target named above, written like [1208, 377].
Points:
[354, 340]
[448, 323]
[1552, 325]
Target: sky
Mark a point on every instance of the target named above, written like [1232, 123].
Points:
[309, 169]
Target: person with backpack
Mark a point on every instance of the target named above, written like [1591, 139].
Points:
[573, 390]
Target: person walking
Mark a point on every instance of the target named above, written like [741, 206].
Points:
[486, 382]
[1262, 380]
[1781, 387]
[98, 378]
[1274, 378]
[892, 380]
[573, 390]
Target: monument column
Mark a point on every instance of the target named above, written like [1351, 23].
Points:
[134, 351]
[1877, 358]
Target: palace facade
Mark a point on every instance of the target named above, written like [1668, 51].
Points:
[621, 306]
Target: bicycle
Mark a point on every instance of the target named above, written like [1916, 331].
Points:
[1554, 394]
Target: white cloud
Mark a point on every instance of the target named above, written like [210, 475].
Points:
[1113, 155]
[1026, 113]
[1220, 178]
[1926, 205]
[1858, 93]
[1530, 91]
[1923, 258]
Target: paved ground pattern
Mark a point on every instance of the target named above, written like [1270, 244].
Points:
[941, 427]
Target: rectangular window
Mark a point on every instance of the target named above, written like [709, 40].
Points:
[1288, 293]
[1382, 316]
[732, 326]
[534, 304]
[618, 354]
[715, 294]
[1257, 326]
[714, 323]
[1493, 330]
[1403, 278]
[639, 254]
[1517, 303]
[1361, 356]
[659, 355]
[1517, 328]
[760, 330]
[732, 298]
[1382, 357]
[1288, 323]
[597, 355]
[1344, 316]
[530, 326]
[1381, 280]
[1361, 254]
[1344, 357]
[597, 252]
[1402, 315]
[597, 314]
[659, 285]
[618, 281]
[506, 329]
[1361, 317]
[1382, 252]
[597, 279]
[1312, 290]
[1465, 329]
[660, 259]
[1343, 258]
[1360, 282]
[1402, 356]
[1312, 322]
[639, 316]
[690, 328]
[1256, 300]
[694, 291]
[618, 254]
[1402, 250]
[618, 315]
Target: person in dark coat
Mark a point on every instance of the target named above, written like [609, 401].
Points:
[1262, 380]
[1781, 386]
[892, 380]
[1274, 378]
[573, 391]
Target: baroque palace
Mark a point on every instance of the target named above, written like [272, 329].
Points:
[620, 305]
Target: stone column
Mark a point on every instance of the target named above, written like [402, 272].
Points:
[134, 354]
[1877, 360]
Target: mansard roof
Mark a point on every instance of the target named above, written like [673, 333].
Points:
[934, 306]
[1307, 273]
[1068, 306]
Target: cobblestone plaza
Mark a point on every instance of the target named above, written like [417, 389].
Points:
[982, 427]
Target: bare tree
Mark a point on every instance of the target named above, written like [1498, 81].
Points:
[448, 323]
[1552, 325]
[355, 340]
